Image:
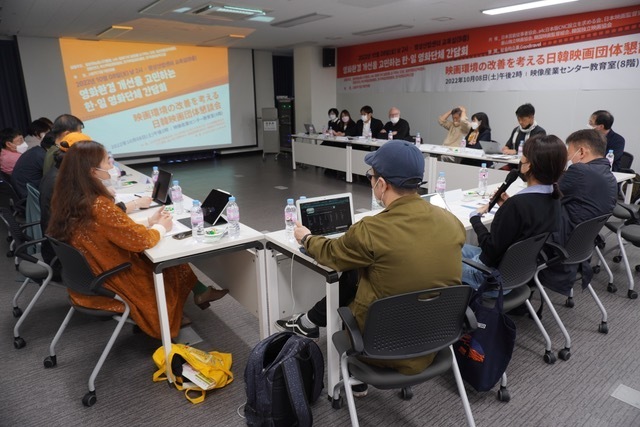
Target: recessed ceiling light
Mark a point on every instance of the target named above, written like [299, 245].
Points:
[300, 20]
[114, 31]
[383, 30]
[261, 18]
[182, 10]
[524, 6]
[442, 19]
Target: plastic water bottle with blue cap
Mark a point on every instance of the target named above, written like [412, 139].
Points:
[441, 184]
[290, 218]
[197, 221]
[155, 174]
[483, 176]
[176, 197]
[233, 218]
[610, 157]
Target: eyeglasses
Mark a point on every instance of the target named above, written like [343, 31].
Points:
[369, 174]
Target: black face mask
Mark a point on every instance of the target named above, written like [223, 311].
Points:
[521, 175]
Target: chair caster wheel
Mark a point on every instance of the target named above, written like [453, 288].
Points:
[503, 394]
[50, 361]
[19, 342]
[89, 399]
[638, 268]
[406, 393]
[337, 403]
[569, 303]
[17, 312]
[10, 254]
[611, 288]
[564, 354]
[549, 358]
[617, 259]
[603, 328]
[632, 294]
[596, 269]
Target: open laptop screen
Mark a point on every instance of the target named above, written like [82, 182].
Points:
[161, 187]
[326, 215]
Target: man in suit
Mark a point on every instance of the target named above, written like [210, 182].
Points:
[368, 125]
[397, 126]
[602, 121]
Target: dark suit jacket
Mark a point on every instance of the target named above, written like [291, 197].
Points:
[376, 127]
[615, 142]
[402, 127]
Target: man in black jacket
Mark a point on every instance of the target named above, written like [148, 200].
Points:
[368, 125]
[397, 126]
[602, 121]
[527, 128]
[589, 190]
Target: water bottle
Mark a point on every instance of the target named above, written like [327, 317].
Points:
[610, 157]
[197, 221]
[113, 164]
[483, 175]
[418, 139]
[176, 197]
[441, 184]
[233, 218]
[155, 174]
[390, 135]
[290, 218]
[520, 148]
[463, 143]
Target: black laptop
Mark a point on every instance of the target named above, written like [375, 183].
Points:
[212, 209]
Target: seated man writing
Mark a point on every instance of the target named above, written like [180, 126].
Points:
[411, 245]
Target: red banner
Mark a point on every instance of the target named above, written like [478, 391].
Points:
[484, 41]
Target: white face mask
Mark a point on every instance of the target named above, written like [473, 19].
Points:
[394, 120]
[570, 161]
[332, 116]
[378, 201]
[22, 147]
[345, 119]
[114, 177]
[475, 125]
[363, 118]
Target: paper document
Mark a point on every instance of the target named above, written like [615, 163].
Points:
[197, 377]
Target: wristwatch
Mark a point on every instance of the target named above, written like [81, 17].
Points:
[304, 238]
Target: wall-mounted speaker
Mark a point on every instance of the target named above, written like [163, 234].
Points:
[328, 57]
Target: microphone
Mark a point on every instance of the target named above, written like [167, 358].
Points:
[511, 177]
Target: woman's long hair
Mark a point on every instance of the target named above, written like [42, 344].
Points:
[484, 121]
[547, 156]
[76, 190]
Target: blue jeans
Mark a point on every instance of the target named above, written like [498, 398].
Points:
[472, 276]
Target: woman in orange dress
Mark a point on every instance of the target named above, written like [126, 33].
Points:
[84, 214]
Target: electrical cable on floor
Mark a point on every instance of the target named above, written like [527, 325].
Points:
[238, 410]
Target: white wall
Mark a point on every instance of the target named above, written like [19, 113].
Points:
[263, 72]
[315, 87]
[559, 112]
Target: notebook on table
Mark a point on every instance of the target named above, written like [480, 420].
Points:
[212, 208]
[328, 216]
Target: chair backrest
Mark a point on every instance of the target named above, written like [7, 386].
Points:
[581, 242]
[8, 196]
[76, 272]
[416, 323]
[626, 160]
[520, 262]
[14, 227]
[33, 211]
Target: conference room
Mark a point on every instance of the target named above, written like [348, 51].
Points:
[218, 95]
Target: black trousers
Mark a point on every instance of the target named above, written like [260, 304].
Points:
[347, 287]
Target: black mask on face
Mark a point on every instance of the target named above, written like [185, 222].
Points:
[521, 175]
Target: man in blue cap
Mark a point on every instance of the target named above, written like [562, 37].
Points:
[409, 246]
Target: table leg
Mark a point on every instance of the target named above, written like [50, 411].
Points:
[433, 173]
[293, 153]
[348, 168]
[264, 319]
[628, 191]
[163, 317]
[333, 326]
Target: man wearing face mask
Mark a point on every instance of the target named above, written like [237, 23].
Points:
[368, 125]
[602, 121]
[13, 146]
[411, 245]
[28, 168]
[589, 190]
[397, 126]
[527, 128]
[334, 120]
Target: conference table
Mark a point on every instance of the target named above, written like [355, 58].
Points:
[171, 252]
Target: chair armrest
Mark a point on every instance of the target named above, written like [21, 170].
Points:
[96, 286]
[357, 343]
[477, 265]
[21, 251]
[29, 224]
[470, 321]
[634, 211]
[560, 254]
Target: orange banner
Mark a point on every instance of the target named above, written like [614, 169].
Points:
[478, 42]
[106, 77]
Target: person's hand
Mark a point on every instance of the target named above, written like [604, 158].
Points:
[143, 202]
[299, 231]
[503, 198]
[166, 220]
[507, 150]
[483, 209]
[155, 217]
[472, 142]
[383, 131]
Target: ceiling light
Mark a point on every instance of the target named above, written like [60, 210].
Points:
[442, 19]
[237, 36]
[261, 18]
[229, 9]
[114, 31]
[524, 6]
[182, 10]
[383, 30]
[300, 20]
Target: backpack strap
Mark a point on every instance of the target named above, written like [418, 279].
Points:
[295, 389]
[318, 370]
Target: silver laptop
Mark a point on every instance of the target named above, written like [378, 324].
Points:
[491, 147]
[310, 128]
[328, 216]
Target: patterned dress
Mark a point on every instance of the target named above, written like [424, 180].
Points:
[114, 238]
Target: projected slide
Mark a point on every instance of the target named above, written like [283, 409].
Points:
[139, 98]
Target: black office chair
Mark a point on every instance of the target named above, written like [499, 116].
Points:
[77, 276]
[579, 248]
[9, 199]
[401, 327]
[31, 266]
[626, 160]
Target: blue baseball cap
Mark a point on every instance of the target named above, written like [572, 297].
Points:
[400, 163]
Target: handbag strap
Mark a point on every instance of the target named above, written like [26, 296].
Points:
[492, 282]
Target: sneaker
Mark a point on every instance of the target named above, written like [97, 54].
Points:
[294, 324]
[359, 390]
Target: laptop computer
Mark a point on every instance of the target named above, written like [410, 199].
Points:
[328, 216]
[310, 128]
[161, 187]
[212, 209]
[491, 147]
[436, 200]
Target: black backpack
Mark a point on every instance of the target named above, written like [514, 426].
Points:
[284, 374]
